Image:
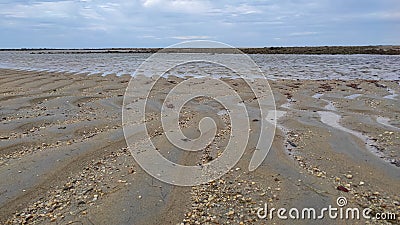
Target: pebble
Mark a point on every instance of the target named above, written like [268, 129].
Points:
[342, 188]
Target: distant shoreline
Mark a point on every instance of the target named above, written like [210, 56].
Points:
[319, 50]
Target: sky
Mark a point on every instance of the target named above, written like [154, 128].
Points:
[160, 23]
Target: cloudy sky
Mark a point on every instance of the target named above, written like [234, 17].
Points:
[159, 23]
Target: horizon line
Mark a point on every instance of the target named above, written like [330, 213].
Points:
[246, 47]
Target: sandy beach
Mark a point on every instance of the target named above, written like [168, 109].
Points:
[64, 159]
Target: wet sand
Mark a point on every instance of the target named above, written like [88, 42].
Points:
[64, 159]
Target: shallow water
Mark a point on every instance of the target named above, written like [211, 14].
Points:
[330, 106]
[333, 120]
[344, 67]
[386, 122]
[353, 96]
[392, 95]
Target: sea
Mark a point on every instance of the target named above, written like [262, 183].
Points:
[309, 67]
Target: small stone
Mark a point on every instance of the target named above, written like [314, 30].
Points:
[342, 188]
[361, 183]
[81, 202]
[349, 176]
